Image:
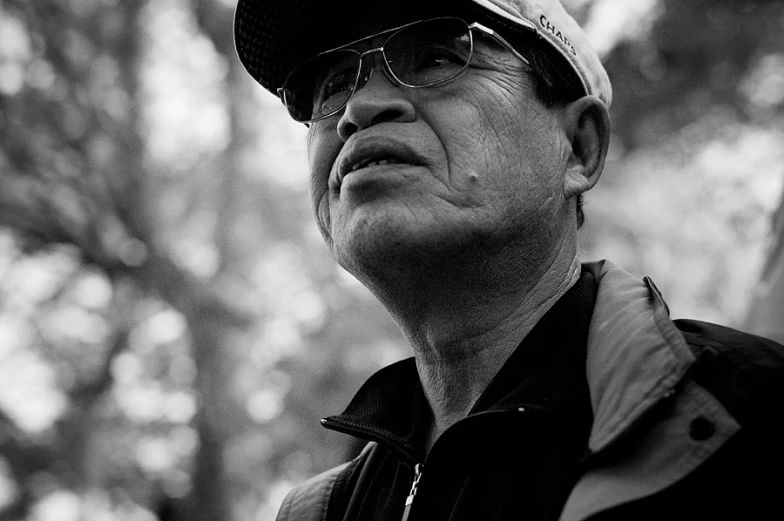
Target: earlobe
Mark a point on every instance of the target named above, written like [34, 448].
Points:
[587, 125]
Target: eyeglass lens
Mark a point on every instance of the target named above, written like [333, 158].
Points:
[419, 55]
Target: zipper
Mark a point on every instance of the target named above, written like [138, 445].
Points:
[371, 435]
[410, 499]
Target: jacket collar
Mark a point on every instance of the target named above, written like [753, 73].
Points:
[545, 373]
[636, 355]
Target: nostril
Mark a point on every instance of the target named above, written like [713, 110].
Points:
[346, 129]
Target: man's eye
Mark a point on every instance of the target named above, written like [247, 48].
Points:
[333, 91]
[337, 83]
[438, 58]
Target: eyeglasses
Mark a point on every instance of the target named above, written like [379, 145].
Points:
[421, 54]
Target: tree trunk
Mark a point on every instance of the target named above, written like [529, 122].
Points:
[766, 313]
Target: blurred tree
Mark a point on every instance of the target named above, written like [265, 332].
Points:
[767, 306]
[130, 170]
[75, 172]
[699, 58]
[696, 165]
[70, 178]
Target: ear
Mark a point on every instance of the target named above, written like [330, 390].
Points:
[587, 126]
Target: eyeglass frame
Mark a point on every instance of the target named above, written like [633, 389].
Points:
[281, 91]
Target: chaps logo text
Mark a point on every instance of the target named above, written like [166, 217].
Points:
[552, 29]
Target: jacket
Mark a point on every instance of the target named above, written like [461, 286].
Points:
[687, 418]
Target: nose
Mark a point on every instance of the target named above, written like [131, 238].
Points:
[378, 100]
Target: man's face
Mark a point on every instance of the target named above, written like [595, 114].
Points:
[414, 173]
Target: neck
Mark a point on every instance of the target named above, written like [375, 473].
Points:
[464, 319]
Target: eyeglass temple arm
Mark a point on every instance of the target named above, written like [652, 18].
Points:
[500, 39]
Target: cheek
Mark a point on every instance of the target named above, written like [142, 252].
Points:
[503, 156]
[462, 132]
[322, 152]
[319, 201]
[481, 143]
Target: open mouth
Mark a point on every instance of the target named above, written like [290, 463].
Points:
[375, 152]
[376, 162]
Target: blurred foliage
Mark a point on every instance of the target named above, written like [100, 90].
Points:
[767, 303]
[696, 164]
[171, 327]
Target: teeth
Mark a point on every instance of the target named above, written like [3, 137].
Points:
[377, 162]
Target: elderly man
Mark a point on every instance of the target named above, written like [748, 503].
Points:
[450, 143]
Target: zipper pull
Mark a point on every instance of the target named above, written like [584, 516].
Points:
[410, 499]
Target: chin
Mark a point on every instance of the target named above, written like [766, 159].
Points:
[395, 249]
[382, 245]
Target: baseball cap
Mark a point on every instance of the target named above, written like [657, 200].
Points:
[274, 36]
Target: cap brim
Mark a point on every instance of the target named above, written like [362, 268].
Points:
[274, 36]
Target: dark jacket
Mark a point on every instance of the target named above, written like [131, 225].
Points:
[687, 422]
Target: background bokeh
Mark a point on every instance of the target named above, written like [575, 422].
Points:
[171, 325]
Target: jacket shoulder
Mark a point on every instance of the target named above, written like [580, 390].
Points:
[309, 501]
[744, 371]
